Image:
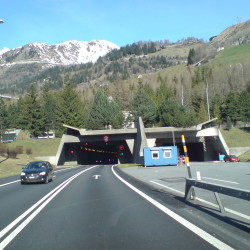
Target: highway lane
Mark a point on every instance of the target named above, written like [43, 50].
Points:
[90, 208]
[16, 198]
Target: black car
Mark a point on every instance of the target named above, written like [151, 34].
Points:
[37, 171]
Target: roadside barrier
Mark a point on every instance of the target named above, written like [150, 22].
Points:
[230, 191]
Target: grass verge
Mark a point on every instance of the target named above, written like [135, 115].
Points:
[39, 147]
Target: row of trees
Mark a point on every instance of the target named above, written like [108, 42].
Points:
[49, 110]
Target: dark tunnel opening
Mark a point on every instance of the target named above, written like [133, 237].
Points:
[195, 150]
[97, 153]
[89, 155]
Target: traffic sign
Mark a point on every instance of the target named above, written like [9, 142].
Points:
[105, 138]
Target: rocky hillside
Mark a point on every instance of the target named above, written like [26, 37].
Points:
[234, 35]
[70, 52]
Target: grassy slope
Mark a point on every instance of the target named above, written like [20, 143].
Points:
[238, 138]
[233, 54]
[39, 147]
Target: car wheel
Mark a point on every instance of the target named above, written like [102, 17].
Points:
[22, 183]
[46, 180]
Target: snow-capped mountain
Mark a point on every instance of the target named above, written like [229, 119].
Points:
[70, 52]
[4, 50]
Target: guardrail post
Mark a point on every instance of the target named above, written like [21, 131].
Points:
[222, 209]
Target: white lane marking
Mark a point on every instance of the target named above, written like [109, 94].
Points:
[198, 231]
[177, 191]
[220, 180]
[96, 176]
[8, 183]
[59, 170]
[52, 194]
[207, 202]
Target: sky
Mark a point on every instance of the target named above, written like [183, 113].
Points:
[120, 22]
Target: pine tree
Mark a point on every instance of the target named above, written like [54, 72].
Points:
[202, 115]
[69, 108]
[216, 113]
[3, 115]
[12, 116]
[48, 109]
[191, 57]
[173, 114]
[116, 115]
[143, 106]
[99, 115]
[163, 92]
[232, 107]
[31, 115]
[244, 103]
[229, 123]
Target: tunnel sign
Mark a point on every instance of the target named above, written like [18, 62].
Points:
[105, 138]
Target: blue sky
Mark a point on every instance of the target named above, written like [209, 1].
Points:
[120, 22]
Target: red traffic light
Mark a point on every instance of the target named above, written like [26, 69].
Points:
[71, 152]
[106, 138]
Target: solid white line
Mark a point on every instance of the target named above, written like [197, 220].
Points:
[219, 180]
[198, 231]
[8, 183]
[207, 202]
[177, 191]
[54, 192]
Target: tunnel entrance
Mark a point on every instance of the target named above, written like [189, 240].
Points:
[195, 150]
[97, 153]
[89, 155]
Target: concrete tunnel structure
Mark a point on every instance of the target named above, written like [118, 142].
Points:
[87, 147]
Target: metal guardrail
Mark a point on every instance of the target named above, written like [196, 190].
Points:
[229, 191]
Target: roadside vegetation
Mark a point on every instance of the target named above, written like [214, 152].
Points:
[236, 137]
[22, 152]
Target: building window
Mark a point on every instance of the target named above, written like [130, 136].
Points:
[155, 154]
[167, 153]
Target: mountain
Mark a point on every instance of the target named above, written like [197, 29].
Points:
[24, 65]
[4, 50]
[70, 52]
[101, 63]
[234, 35]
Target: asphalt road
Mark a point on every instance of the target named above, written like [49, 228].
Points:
[172, 179]
[94, 207]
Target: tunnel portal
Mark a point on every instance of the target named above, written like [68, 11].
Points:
[96, 153]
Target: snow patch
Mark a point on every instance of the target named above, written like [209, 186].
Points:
[4, 50]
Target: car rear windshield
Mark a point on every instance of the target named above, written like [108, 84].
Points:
[35, 165]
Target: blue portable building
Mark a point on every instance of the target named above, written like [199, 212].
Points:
[160, 156]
